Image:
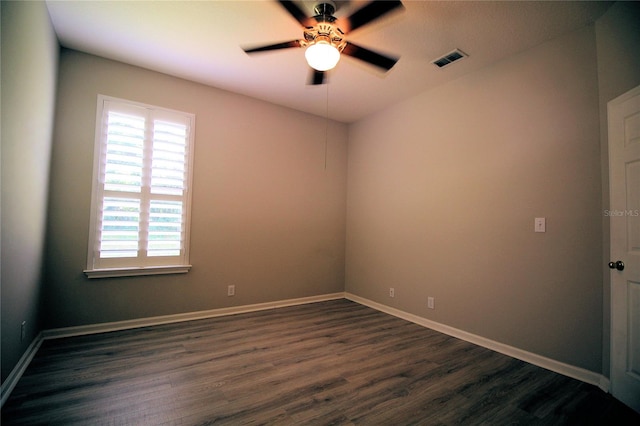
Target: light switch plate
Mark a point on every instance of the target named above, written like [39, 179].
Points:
[540, 224]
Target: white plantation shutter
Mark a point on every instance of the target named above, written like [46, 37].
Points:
[141, 194]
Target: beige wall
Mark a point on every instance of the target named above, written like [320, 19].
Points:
[443, 190]
[617, 41]
[267, 216]
[29, 66]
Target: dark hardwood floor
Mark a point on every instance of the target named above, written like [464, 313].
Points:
[329, 363]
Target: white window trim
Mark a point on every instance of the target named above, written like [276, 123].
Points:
[136, 272]
[131, 271]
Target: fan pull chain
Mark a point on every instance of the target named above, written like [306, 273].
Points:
[326, 129]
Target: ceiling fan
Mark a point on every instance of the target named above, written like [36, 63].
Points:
[323, 36]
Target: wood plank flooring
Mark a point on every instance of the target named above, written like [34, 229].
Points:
[329, 363]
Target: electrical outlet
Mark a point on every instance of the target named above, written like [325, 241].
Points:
[431, 303]
[231, 290]
[392, 292]
[23, 330]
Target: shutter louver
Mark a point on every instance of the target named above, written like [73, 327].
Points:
[125, 145]
[120, 227]
[165, 228]
[169, 152]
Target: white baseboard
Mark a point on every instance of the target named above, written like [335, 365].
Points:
[550, 364]
[604, 384]
[19, 369]
[574, 372]
[81, 330]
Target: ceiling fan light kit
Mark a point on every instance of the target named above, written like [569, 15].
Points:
[322, 56]
[323, 36]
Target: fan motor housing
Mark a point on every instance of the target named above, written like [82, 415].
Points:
[324, 32]
[325, 10]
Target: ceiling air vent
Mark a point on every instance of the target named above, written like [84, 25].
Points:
[449, 58]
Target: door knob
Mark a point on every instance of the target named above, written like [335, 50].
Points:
[619, 265]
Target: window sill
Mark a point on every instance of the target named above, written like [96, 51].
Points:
[136, 272]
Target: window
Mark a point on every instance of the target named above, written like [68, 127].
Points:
[141, 190]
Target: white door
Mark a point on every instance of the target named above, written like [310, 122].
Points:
[624, 174]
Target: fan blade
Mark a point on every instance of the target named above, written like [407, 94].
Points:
[297, 13]
[374, 58]
[369, 13]
[316, 77]
[284, 45]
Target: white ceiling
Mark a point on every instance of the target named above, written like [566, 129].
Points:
[201, 41]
